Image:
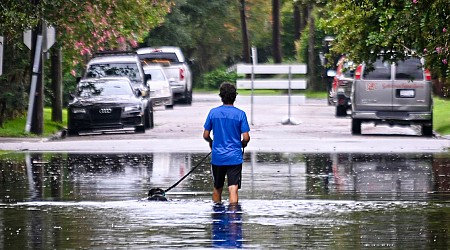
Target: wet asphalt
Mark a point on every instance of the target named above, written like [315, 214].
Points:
[278, 124]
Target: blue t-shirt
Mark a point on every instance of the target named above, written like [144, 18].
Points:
[227, 123]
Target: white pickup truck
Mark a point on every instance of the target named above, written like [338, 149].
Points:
[175, 67]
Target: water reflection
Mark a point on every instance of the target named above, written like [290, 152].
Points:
[60, 201]
[227, 226]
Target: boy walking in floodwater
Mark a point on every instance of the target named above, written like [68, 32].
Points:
[230, 130]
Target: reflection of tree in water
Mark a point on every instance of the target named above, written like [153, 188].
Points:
[104, 163]
[113, 69]
[318, 168]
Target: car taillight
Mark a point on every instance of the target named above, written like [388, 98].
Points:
[427, 75]
[358, 72]
[181, 74]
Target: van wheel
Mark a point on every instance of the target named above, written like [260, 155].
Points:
[427, 130]
[356, 126]
[341, 110]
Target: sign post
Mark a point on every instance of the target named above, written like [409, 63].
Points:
[1, 55]
[44, 41]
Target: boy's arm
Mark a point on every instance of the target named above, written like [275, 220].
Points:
[245, 139]
[207, 137]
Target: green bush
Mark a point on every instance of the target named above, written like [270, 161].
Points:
[213, 79]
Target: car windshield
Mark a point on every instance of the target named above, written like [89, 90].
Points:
[114, 88]
[410, 69]
[159, 57]
[155, 74]
[129, 70]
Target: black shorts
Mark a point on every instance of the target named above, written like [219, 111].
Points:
[232, 172]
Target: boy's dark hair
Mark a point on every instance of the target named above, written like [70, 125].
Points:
[228, 93]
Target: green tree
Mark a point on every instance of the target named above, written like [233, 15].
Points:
[83, 27]
[217, 41]
[364, 29]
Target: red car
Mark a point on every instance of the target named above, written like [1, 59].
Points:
[339, 94]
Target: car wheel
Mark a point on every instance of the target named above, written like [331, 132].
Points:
[330, 99]
[356, 126]
[150, 120]
[140, 129]
[188, 97]
[72, 132]
[341, 110]
[427, 130]
[169, 106]
[147, 119]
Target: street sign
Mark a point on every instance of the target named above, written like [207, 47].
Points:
[27, 38]
[48, 34]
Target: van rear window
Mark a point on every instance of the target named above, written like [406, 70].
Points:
[410, 69]
[378, 71]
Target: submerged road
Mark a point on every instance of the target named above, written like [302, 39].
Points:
[306, 125]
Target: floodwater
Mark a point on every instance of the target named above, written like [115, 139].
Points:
[287, 201]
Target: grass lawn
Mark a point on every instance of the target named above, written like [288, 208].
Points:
[441, 116]
[16, 128]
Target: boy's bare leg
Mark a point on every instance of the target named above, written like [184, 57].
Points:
[233, 190]
[217, 195]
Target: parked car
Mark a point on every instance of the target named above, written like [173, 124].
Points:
[341, 88]
[118, 63]
[394, 93]
[106, 104]
[175, 66]
[160, 90]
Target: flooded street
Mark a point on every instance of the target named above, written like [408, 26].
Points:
[287, 201]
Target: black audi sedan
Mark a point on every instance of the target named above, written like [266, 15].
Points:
[108, 104]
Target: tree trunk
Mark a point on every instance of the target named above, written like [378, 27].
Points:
[297, 17]
[311, 52]
[245, 39]
[56, 59]
[276, 31]
[303, 17]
